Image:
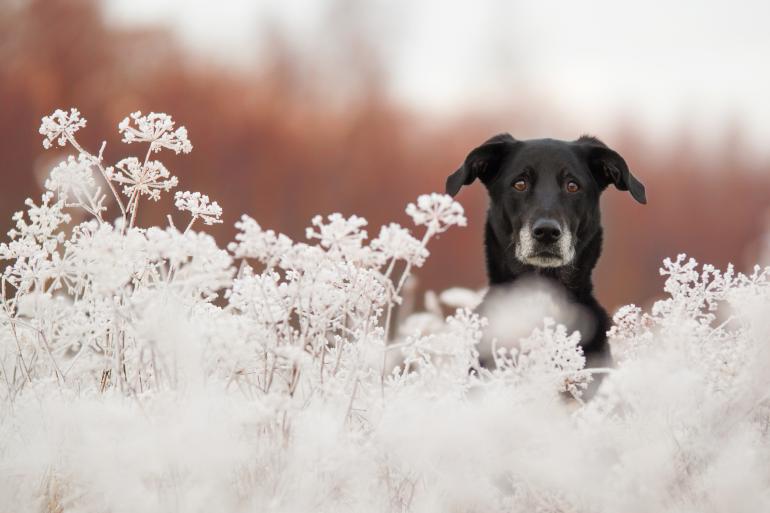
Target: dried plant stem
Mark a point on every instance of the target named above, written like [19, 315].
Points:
[352, 398]
[134, 200]
[394, 295]
[11, 324]
[99, 164]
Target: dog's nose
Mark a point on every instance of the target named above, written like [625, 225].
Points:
[546, 230]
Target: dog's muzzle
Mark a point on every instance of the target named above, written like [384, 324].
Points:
[545, 243]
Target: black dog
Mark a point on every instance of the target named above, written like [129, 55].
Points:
[543, 219]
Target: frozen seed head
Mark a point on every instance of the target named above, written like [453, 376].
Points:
[157, 129]
[59, 126]
[437, 212]
[148, 179]
[199, 206]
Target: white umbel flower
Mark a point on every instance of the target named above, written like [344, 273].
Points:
[157, 129]
[396, 242]
[148, 179]
[254, 242]
[59, 126]
[437, 212]
[199, 206]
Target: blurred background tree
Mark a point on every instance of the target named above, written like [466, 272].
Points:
[302, 132]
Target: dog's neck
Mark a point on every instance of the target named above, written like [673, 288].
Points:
[576, 277]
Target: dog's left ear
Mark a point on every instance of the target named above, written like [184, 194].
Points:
[608, 167]
[482, 163]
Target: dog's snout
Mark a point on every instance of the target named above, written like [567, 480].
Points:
[546, 231]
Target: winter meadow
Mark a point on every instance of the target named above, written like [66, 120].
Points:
[147, 369]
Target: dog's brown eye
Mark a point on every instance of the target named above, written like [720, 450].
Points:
[572, 187]
[520, 185]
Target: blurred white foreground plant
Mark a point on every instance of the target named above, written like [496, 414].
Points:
[147, 369]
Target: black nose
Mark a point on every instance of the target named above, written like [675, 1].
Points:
[546, 230]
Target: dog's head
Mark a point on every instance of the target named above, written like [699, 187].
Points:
[544, 193]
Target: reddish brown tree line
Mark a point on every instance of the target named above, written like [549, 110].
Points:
[267, 144]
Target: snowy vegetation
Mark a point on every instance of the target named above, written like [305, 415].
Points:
[147, 369]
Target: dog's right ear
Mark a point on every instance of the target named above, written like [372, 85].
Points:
[482, 163]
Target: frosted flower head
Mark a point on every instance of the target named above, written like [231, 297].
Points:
[44, 221]
[549, 354]
[451, 350]
[301, 258]
[71, 177]
[262, 296]
[157, 129]
[630, 334]
[59, 126]
[200, 265]
[437, 212]
[106, 258]
[199, 206]
[340, 234]
[396, 242]
[140, 179]
[254, 242]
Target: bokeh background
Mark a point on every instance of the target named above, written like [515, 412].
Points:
[303, 108]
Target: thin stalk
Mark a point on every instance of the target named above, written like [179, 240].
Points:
[172, 268]
[98, 160]
[15, 335]
[352, 398]
[135, 196]
[59, 374]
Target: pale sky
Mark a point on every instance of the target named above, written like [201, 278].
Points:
[659, 65]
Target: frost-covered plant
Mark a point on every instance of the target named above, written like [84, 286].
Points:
[156, 129]
[147, 369]
[308, 305]
[199, 206]
[138, 179]
[60, 127]
[100, 275]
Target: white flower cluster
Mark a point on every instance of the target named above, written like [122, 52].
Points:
[263, 245]
[60, 126]
[156, 129]
[73, 179]
[199, 206]
[550, 356]
[397, 243]
[338, 234]
[438, 212]
[44, 220]
[137, 179]
[147, 369]
[314, 299]
[694, 321]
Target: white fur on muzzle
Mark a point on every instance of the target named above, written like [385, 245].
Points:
[529, 251]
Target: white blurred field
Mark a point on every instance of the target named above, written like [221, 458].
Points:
[146, 369]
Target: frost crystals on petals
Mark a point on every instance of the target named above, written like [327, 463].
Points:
[199, 206]
[437, 212]
[148, 180]
[59, 126]
[157, 129]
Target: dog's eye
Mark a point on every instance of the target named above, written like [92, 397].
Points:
[520, 185]
[572, 186]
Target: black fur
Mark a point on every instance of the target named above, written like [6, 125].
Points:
[547, 167]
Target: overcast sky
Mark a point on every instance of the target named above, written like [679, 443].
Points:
[658, 64]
